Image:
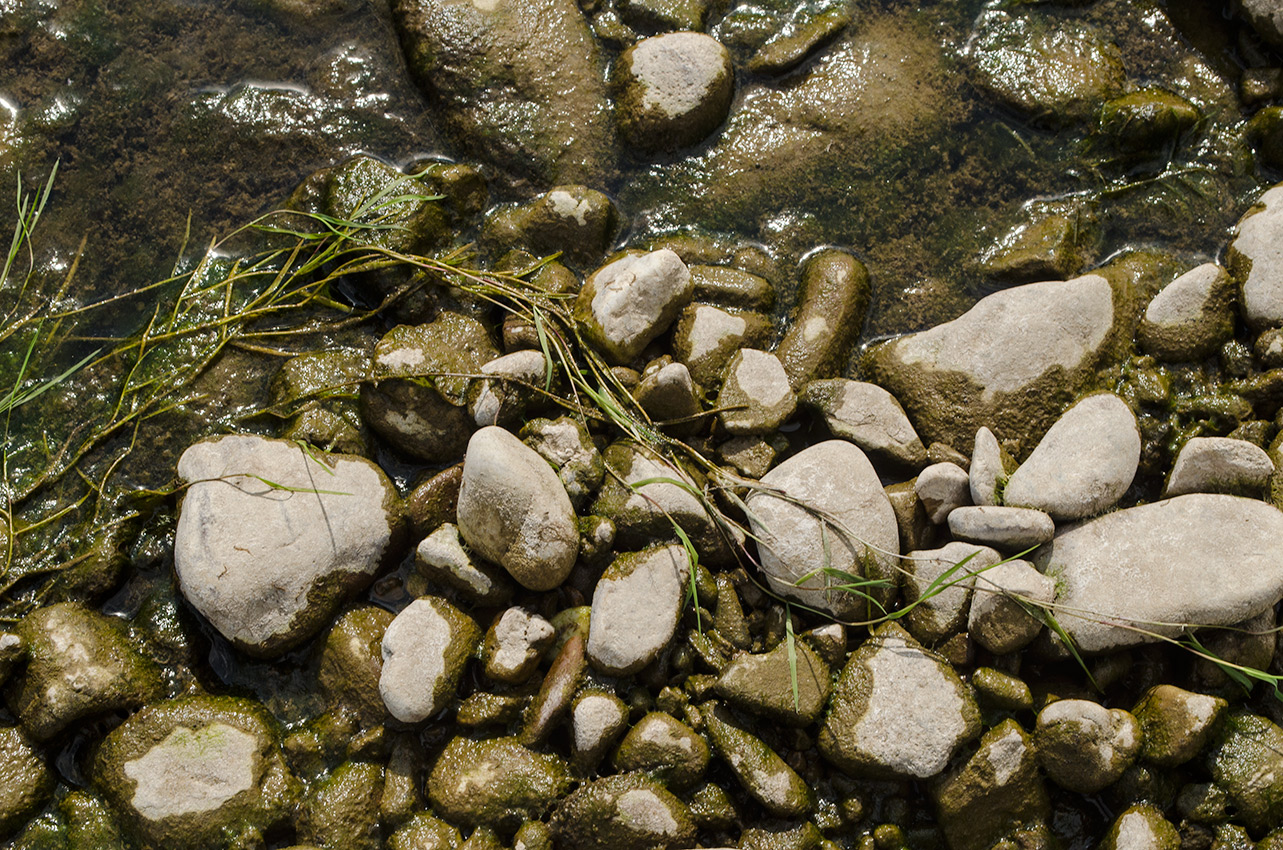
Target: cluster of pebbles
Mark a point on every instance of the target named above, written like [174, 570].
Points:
[846, 644]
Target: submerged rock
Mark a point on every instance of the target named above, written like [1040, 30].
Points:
[196, 772]
[835, 478]
[1083, 464]
[514, 511]
[27, 782]
[830, 313]
[518, 83]
[342, 810]
[268, 563]
[1012, 362]
[897, 710]
[80, 664]
[623, 812]
[1199, 559]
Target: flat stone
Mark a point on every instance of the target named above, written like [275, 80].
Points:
[635, 609]
[424, 652]
[80, 664]
[1198, 559]
[1085, 747]
[868, 416]
[1012, 362]
[756, 381]
[674, 90]
[944, 611]
[183, 773]
[1006, 529]
[1191, 317]
[997, 619]
[514, 511]
[835, 478]
[942, 487]
[267, 564]
[626, 304]
[1219, 465]
[763, 684]
[897, 710]
[1083, 465]
[1255, 258]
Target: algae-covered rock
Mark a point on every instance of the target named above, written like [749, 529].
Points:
[1000, 690]
[626, 304]
[1147, 121]
[868, 416]
[351, 661]
[370, 191]
[764, 683]
[565, 443]
[1084, 746]
[196, 772]
[664, 748]
[833, 477]
[1012, 362]
[90, 822]
[1051, 70]
[495, 782]
[949, 574]
[624, 812]
[1052, 241]
[1190, 317]
[343, 809]
[1166, 547]
[705, 338]
[764, 775]
[997, 791]
[80, 664]
[635, 608]
[668, 394]
[272, 537]
[424, 651]
[1219, 465]
[514, 511]
[425, 832]
[517, 84]
[442, 558]
[896, 710]
[673, 90]
[830, 313]
[418, 389]
[578, 221]
[506, 395]
[25, 781]
[1142, 826]
[756, 397]
[1266, 132]
[597, 719]
[729, 286]
[1247, 762]
[514, 643]
[1176, 723]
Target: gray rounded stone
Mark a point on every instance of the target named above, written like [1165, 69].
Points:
[1219, 465]
[756, 382]
[1141, 827]
[987, 473]
[514, 643]
[424, 652]
[1084, 746]
[674, 90]
[267, 564]
[942, 487]
[868, 416]
[514, 511]
[1153, 565]
[635, 608]
[566, 444]
[597, 719]
[1190, 317]
[503, 397]
[1083, 465]
[706, 337]
[945, 610]
[1255, 258]
[1004, 528]
[626, 304]
[441, 557]
[998, 620]
[856, 526]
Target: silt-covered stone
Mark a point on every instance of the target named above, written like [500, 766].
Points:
[495, 782]
[623, 812]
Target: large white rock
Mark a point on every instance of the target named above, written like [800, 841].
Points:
[1256, 260]
[626, 304]
[1012, 362]
[514, 511]
[1198, 559]
[424, 652]
[1083, 465]
[837, 515]
[271, 537]
[1219, 465]
[897, 710]
[635, 608]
